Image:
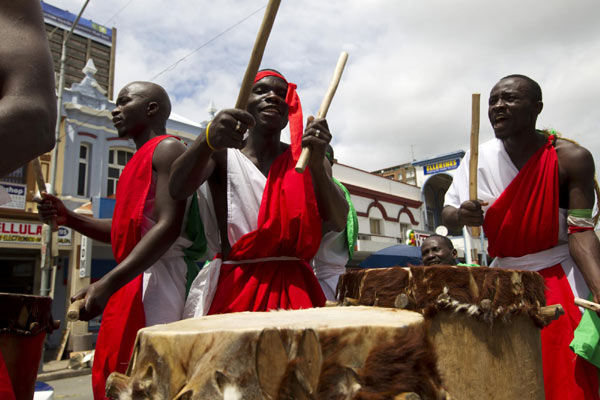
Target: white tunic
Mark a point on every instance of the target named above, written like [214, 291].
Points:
[163, 287]
[245, 187]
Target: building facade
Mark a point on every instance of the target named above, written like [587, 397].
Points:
[387, 209]
[89, 41]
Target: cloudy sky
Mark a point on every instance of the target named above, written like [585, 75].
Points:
[412, 67]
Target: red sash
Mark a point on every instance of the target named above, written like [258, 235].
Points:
[288, 225]
[524, 220]
[124, 313]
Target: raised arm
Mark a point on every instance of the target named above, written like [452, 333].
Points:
[27, 94]
[51, 207]
[584, 246]
[169, 218]
[194, 166]
[332, 204]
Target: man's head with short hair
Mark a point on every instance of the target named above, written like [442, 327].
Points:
[438, 250]
[535, 91]
[514, 105]
[139, 106]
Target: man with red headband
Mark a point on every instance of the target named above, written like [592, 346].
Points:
[270, 218]
[536, 194]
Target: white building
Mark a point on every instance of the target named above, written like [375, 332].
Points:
[386, 209]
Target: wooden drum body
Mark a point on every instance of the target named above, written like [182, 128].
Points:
[24, 322]
[321, 353]
[484, 323]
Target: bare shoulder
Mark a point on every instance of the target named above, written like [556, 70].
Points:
[575, 160]
[166, 152]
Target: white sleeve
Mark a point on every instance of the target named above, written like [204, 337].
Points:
[459, 189]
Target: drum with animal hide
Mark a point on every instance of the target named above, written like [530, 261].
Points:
[320, 353]
[484, 322]
[24, 322]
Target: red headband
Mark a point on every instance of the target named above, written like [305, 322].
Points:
[294, 112]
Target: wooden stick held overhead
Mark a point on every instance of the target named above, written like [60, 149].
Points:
[322, 113]
[257, 53]
[474, 154]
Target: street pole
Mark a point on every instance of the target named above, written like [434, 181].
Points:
[47, 235]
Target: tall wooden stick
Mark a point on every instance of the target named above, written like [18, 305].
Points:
[474, 154]
[39, 177]
[257, 53]
[322, 113]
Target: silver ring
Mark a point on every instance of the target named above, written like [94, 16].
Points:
[238, 125]
[317, 133]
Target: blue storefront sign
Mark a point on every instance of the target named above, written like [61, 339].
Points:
[441, 166]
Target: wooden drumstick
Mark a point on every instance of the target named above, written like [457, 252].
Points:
[322, 113]
[74, 308]
[474, 154]
[590, 305]
[257, 54]
[39, 177]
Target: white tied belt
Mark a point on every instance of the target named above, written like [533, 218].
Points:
[535, 261]
[264, 259]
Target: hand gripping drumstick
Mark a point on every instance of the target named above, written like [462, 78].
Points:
[337, 75]
[39, 177]
[590, 305]
[257, 53]
[74, 308]
[474, 154]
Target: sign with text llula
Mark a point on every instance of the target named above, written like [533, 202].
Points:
[29, 233]
[441, 166]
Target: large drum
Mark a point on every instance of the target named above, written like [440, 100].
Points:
[24, 322]
[484, 323]
[325, 353]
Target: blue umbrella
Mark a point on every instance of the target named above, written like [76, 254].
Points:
[398, 255]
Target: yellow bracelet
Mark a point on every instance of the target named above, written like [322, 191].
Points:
[208, 141]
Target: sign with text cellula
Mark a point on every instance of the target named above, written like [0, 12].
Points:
[29, 233]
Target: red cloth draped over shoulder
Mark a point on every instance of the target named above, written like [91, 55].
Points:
[124, 313]
[289, 224]
[524, 220]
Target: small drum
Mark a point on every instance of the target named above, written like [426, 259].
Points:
[320, 353]
[484, 323]
[24, 322]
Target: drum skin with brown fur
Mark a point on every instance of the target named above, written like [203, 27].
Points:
[484, 323]
[320, 353]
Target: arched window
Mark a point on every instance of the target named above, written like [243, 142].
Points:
[117, 159]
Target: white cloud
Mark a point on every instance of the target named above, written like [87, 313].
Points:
[412, 68]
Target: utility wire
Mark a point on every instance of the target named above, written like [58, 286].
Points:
[174, 65]
[117, 13]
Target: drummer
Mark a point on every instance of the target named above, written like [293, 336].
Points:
[266, 240]
[148, 286]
